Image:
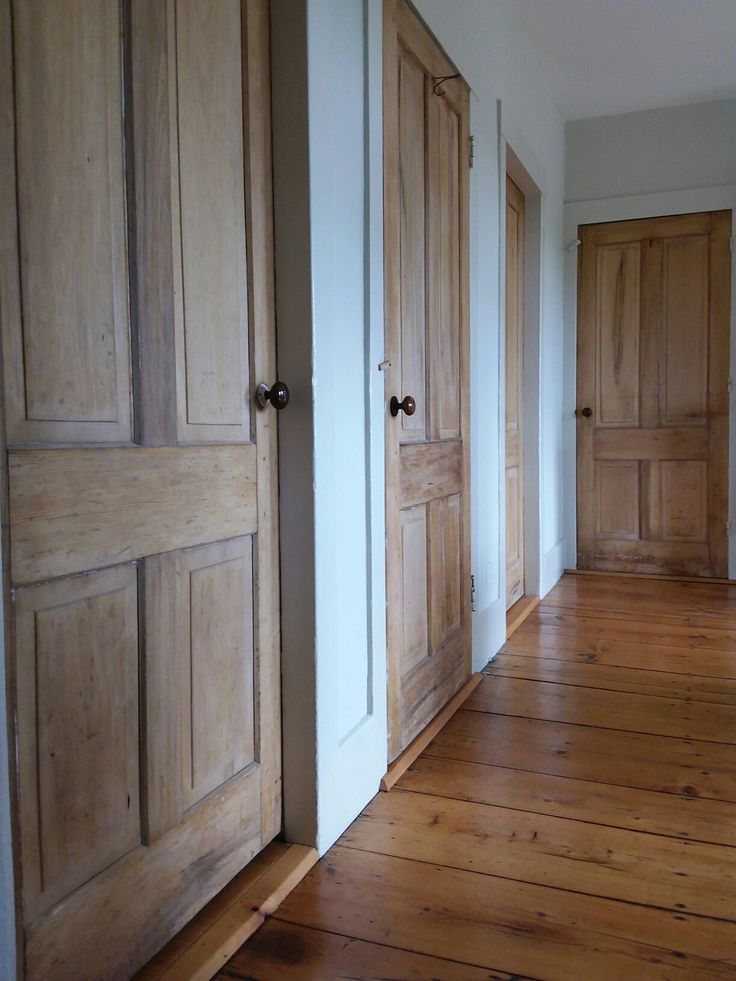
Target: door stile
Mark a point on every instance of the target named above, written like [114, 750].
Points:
[393, 379]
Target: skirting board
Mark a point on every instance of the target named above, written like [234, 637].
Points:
[519, 612]
[415, 748]
[647, 575]
[206, 943]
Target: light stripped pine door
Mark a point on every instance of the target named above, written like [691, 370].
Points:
[427, 452]
[136, 291]
[514, 374]
[653, 366]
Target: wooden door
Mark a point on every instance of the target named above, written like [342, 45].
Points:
[427, 452]
[136, 290]
[653, 363]
[514, 393]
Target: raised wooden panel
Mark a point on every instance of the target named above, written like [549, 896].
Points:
[76, 657]
[64, 287]
[412, 138]
[82, 509]
[617, 335]
[209, 225]
[445, 536]
[216, 618]
[414, 579]
[513, 519]
[617, 505]
[444, 286]
[514, 311]
[685, 334]
[430, 470]
[684, 500]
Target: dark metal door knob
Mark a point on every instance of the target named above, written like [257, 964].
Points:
[587, 412]
[407, 405]
[277, 395]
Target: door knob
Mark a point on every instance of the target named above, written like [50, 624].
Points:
[407, 405]
[587, 412]
[277, 395]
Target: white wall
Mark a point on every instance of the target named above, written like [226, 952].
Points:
[328, 212]
[641, 165]
[645, 152]
[512, 103]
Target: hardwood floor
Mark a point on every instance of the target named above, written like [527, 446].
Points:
[575, 821]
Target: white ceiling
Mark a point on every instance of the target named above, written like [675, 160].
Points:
[613, 56]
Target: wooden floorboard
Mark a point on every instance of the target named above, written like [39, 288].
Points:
[575, 821]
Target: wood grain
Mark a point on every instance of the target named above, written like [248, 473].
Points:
[149, 740]
[688, 818]
[627, 759]
[232, 916]
[546, 849]
[65, 291]
[427, 337]
[82, 509]
[514, 373]
[653, 354]
[551, 851]
[489, 921]
[288, 952]
[593, 674]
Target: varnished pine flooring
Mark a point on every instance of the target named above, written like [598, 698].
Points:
[575, 821]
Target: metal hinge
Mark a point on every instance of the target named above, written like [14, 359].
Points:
[730, 245]
[730, 383]
[729, 528]
[471, 152]
[472, 594]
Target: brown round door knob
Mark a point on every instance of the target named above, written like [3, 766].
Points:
[277, 395]
[407, 405]
[587, 412]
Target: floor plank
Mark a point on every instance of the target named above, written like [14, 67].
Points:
[601, 646]
[605, 709]
[478, 919]
[641, 681]
[624, 759]
[586, 858]
[575, 821]
[598, 803]
[661, 630]
[287, 952]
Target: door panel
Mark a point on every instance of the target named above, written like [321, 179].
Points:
[216, 617]
[77, 663]
[514, 375]
[145, 585]
[65, 282]
[428, 524]
[209, 202]
[653, 356]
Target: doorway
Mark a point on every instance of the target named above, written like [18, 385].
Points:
[652, 395]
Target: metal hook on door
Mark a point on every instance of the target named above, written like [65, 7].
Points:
[439, 80]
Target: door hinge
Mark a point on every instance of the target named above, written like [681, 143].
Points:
[730, 384]
[471, 152]
[729, 528]
[730, 245]
[472, 594]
